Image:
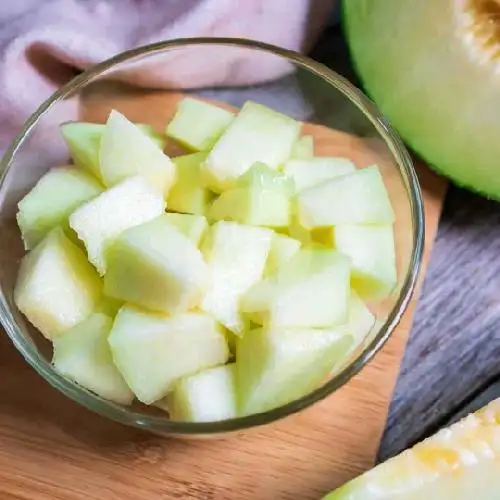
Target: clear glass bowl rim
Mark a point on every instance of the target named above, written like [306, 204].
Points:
[162, 425]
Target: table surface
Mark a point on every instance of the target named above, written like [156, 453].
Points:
[451, 362]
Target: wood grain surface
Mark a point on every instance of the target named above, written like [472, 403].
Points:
[50, 448]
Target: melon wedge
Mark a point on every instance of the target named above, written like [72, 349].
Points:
[459, 463]
[446, 103]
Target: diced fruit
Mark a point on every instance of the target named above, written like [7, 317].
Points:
[49, 204]
[236, 255]
[373, 256]
[311, 290]
[127, 151]
[99, 221]
[357, 198]
[262, 197]
[155, 266]
[256, 134]
[207, 396]
[283, 248]
[276, 366]
[189, 195]
[197, 124]
[297, 232]
[56, 287]
[192, 226]
[303, 148]
[153, 351]
[308, 173]
[83, 355]
[459, 462]
[84, 141]
[109, 306]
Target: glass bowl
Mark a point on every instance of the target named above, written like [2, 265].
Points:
[144, 84]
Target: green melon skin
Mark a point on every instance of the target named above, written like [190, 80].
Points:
[436, 87]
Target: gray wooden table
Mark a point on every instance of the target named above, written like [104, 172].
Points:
[452, 361]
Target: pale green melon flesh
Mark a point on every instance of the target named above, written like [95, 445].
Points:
[432, 79]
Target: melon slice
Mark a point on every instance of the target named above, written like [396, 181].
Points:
[152, 351]
[283, 248]
[262, 197]
[357, 198]
[308, 173]
[83, 355]
[459, 463]
[188, 194]
[51, 201]
[311, 290]
[450, 116]
[257, 134]
[99, 221]
[155, 266]
[303, 149]
[276, 366]
[207, 396]
[127, 151]
[373, 256]
[197, 124]
[236, 256]
[56, 287]
[192, 226]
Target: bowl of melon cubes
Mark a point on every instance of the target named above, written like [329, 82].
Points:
[194, 267]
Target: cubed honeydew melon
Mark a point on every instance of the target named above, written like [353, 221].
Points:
[192, 226]
[84, 141]
[236, 256]
[56, 287]
[207, 396]
[83, 355]
[152, 351]
[308, 173]
[188, 194]
[357, 198]
[197, 124]
[310, 290]
[277, 366]
[51, 201]
[157, 267]
[99, 221]
[127, 151]
[372, 252]
[257, 134]
[262, 197]
[283, 248]
[303, 148]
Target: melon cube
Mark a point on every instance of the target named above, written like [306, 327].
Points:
[197, 124]
[56, 287]
[373, 256]
[83, 355]
[277, 366]
[303, 148]
[283, 248]
[155, 266]
[49, 204]
[256, 134]
[152, 351]
[262, 197]
[99, 221]
[236, 256]
[207, 396]
[126, 151]
[360, 321]
[357, 198]
[310, 290]
[192, 226]
[308, 173]
[188, 194]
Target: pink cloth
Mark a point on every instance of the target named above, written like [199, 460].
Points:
[44, 43]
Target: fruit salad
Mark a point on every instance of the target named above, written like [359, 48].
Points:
[224, 282]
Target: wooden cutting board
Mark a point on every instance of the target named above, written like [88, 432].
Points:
[52, 449]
